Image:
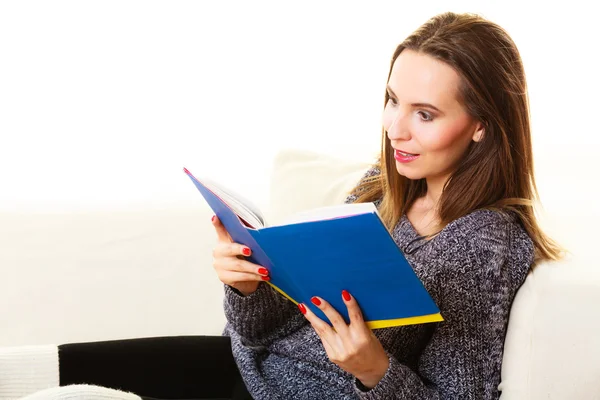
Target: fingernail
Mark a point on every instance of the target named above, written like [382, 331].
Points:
[302, 308]
[346, 295]
[213, 218]
[263, 271]
[316, 301]
[246, 251]
[265, 278]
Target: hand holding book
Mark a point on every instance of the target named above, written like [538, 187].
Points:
[231, 266]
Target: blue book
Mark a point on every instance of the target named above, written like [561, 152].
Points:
[324, 252]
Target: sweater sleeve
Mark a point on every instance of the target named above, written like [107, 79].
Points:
[262, 316]
[463, 358]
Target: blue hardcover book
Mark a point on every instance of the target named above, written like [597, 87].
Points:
[324, 252]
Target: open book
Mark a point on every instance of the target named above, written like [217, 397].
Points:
[324, 251]
[253, 218]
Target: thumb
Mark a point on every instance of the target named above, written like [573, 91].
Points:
[222, 234]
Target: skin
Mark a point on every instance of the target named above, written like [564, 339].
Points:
[230, 265]
[423, 116]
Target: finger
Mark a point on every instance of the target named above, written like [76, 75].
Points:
[322, 328]
[232, 278]
[354, 312]
[240, 265]
[222, 234]
[334, 317]
[230, 249]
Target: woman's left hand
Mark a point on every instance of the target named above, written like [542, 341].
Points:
[353, 347]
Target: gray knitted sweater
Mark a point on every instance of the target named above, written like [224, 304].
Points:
[472, 269]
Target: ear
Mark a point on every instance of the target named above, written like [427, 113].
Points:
[479, 132]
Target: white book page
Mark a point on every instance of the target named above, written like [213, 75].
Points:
[330, 212]
[243, 207]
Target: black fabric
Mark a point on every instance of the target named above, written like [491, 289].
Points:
[179, 367]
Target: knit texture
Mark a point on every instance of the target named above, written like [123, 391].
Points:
[472, 269]
[27, 369]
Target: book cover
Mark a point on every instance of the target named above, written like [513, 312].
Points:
[323, 257]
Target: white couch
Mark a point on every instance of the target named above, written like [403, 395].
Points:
[141, 273]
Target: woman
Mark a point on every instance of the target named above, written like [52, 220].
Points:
[455, 186]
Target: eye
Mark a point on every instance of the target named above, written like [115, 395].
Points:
[426, 117]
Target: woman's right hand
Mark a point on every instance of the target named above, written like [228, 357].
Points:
[231, 266]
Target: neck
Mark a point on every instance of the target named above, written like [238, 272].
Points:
[424, 215]
[435, 187]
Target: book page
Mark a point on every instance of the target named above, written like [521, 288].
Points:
[330, 212]
[243, 207]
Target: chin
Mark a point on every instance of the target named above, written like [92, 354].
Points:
[409, 173]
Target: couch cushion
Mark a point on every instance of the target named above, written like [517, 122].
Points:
[552, 349]
[303, 180]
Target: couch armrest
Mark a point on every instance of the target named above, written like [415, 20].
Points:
[27, 369]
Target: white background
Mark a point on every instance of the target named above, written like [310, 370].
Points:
[103, 102]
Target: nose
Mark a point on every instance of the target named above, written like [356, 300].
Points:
[398, 127]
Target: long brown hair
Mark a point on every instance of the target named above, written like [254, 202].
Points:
[496, 172]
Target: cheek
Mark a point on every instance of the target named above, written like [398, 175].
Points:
[445, 138]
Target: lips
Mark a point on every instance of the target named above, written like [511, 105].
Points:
[404, 157]
[405, 154]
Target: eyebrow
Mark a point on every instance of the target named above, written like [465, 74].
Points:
[415, 105]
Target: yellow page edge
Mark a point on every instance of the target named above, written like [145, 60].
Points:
[385, 323]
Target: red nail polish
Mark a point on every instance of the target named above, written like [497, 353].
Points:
[302, 308]
[316, 301]
[246, 251]
[263, 271]
[346, 295]
[213, 218]
[265, 278]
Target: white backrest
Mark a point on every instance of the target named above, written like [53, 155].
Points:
[88, 276]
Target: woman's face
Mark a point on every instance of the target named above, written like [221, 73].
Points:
[428, 127]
